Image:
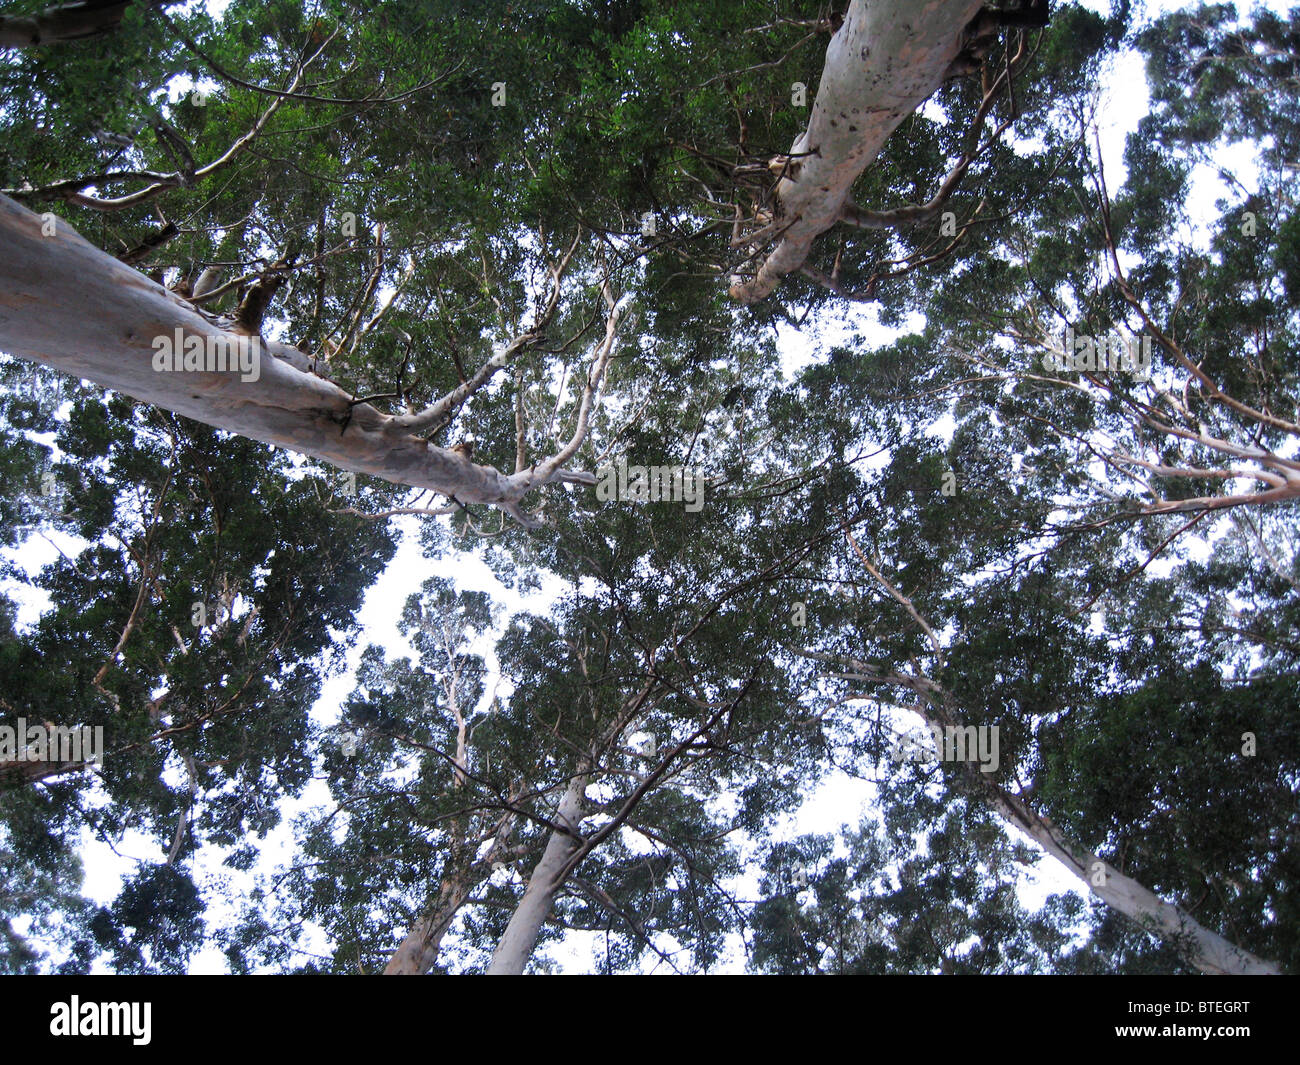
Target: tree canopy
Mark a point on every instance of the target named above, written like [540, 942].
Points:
[976, 436]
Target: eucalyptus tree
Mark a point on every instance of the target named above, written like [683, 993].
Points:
[488, 286]
[202, 590]
[1043, 587]
[637, 731]
[292, 398]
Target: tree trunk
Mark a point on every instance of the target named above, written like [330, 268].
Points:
[72, 307]
[1206, 950]
[419, 950]
[886, 60]
[1199, 946]
[520, 936]
[68, 22]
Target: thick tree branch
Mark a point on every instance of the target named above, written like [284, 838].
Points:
[880, 67]
[68, 305]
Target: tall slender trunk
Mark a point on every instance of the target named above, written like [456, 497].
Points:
[1206, 950]
[520, 937]
[419, 950]
[1200, 946]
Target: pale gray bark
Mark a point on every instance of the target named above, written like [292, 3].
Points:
[516, 945]
[887, 59]
[1205, 949]
[1202, 947]
[72, 307]
[419, 950]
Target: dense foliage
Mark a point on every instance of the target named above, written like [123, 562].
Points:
[919, 502]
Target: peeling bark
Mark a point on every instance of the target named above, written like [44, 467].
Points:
[886, 60]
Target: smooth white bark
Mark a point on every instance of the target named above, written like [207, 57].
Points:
[1200, 946]
[72, 307]
[418, 952]
[516, 945]
[887, 59]
[1205, 949]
